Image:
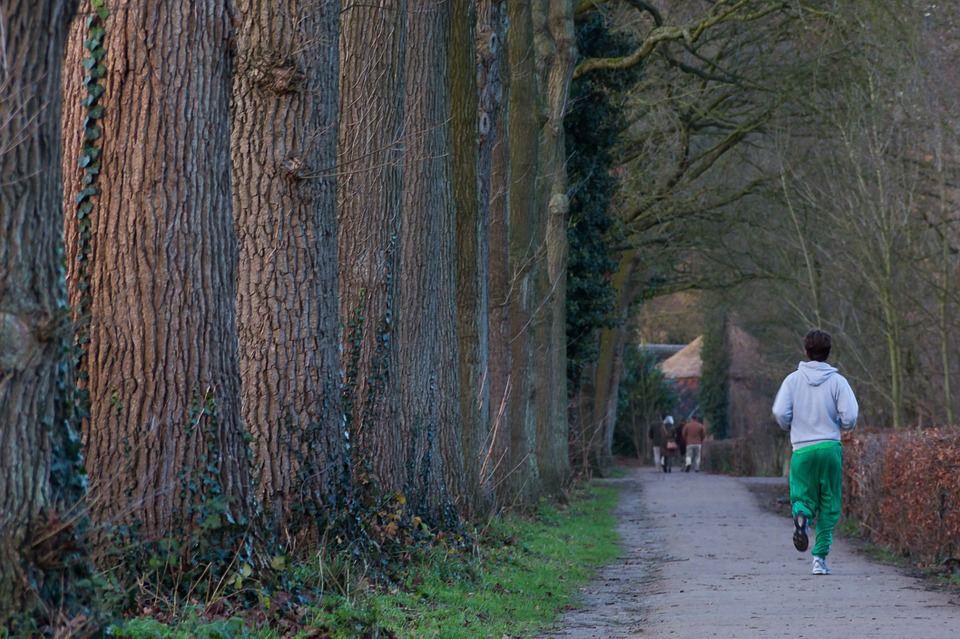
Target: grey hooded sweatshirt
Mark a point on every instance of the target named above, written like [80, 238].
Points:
[814, 403]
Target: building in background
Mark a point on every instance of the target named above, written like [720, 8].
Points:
[683, 369]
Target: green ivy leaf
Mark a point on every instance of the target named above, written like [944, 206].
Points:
[95, 113]
[95, 90]
[103, 12]
[93, 132]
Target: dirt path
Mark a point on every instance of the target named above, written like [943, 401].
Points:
[702, 559]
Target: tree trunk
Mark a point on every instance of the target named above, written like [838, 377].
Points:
[556, 48]
[370, 152]
[517, 475]
[476, 93]
[472, 230]
[164, 444]
[608, 367]
[284, 150]
[37, 463]
[427, 322]
[495, 449]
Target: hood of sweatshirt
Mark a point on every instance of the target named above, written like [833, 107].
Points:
[816, 373]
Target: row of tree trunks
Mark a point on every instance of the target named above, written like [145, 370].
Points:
[33, 357]
[257, 187]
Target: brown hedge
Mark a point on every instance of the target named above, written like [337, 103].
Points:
[904, 490]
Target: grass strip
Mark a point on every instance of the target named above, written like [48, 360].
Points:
[524, 569]
[527, 570]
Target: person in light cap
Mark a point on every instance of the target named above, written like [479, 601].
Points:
[668, 443]
[659, 443]
[814, 404]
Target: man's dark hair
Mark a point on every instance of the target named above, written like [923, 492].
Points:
[817, 344]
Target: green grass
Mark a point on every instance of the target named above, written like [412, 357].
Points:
[527, 571]
[522, 572]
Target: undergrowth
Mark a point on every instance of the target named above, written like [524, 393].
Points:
[519, 572]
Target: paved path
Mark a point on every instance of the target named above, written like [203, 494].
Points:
[702, 559]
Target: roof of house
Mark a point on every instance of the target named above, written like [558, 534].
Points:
[686, 363]
[661, 351]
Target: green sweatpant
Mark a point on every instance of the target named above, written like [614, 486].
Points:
[816, 477]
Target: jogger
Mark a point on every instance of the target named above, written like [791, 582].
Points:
[815, 403]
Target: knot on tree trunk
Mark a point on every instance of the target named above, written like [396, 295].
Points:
[275, 73]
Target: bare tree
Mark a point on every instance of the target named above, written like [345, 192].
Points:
[712, 83]
[874, 186]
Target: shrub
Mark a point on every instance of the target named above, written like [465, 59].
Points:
[904, 489]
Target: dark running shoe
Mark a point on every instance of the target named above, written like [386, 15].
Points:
[800, 539]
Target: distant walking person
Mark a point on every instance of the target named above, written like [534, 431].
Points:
[814, 403]
[668, 443]
[694, 434]
[659, 445]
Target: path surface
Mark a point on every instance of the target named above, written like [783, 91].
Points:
[702, 559]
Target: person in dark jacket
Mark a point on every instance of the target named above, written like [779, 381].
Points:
[668, 439]
[694, 434]
[660, 442]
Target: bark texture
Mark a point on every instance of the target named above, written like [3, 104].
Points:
[284, 134]
[370, 154]
[476, 48]
[33, 355]
[496, 447]
[427, 326]
[517, 477]
[164, 443]
[555, 44]
[472, 232]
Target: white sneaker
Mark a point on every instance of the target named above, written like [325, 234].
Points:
[820, 566]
